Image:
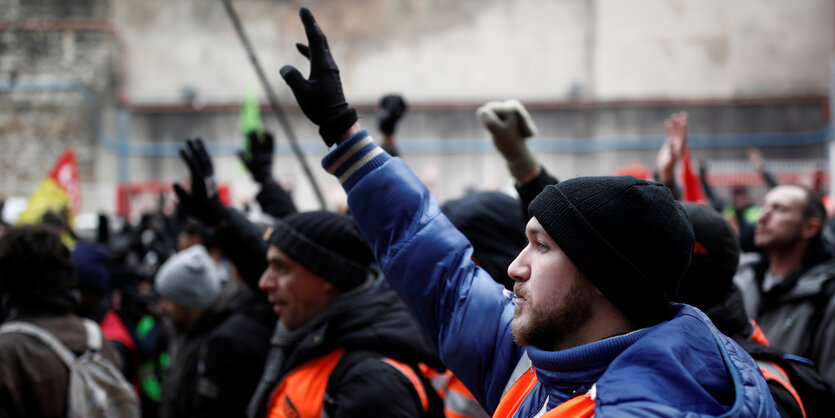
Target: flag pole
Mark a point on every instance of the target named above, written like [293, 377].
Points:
[279, 113]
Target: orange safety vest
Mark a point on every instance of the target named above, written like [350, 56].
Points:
[302, 392]
[458, 401]
[578, 406]
[772, 371]
[758, 336]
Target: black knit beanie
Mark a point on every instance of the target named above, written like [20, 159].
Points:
[326, 243]
[715, 258]
[628, 236]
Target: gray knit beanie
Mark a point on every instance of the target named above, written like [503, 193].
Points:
[189, 278]
[628, 236]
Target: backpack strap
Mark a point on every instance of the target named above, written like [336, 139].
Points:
[353, 357]
[45, 336]
[94, 337]
[348, 360]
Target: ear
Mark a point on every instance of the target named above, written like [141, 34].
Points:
[811, 227]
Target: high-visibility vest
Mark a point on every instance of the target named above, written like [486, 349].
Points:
[302, 392]
[458, 401]
[772, 371]
[578, 406]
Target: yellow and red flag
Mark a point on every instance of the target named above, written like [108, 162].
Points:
[60, 192]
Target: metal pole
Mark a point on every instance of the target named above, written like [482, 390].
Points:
[279, 113]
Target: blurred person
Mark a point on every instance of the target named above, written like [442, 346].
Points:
[38, 286]
[315, 269]
[797, 387]
[789, 290]
[92, 264]
[741, 212]
[345, 344]
[216, 358]
[219, 346]
[593, 351]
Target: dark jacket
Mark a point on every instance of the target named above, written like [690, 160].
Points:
[787, 313]
[379, 322]
[33, 379]
[216, 363]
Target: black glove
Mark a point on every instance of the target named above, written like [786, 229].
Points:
[203, 203]
[320, 95]
[392, 108]
[259, 159]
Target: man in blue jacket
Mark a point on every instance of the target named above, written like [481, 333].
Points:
[588, 330]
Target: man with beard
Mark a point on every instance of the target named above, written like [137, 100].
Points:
[594, 330]
[789, 292]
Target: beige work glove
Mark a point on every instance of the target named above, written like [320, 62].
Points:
[509, 123]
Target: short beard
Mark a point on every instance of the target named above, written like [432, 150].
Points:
[554, 327]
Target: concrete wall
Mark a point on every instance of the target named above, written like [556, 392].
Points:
[476, 50]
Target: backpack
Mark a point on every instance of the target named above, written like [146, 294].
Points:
[96, 387]
[817, 395]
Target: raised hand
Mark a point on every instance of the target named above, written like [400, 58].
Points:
[510, 124]
[670, 152]
[259, 159]
[202, 201]
[320, 95]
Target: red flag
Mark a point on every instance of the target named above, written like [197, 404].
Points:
[692, 188]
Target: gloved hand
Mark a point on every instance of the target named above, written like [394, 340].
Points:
[259, 159]
[320, 95]
[392, 108]
[202, 202]
[509, 123]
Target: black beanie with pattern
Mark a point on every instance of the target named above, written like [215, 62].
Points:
[328, 244]
[627, 235]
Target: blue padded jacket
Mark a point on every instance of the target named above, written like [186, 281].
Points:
[681, 367]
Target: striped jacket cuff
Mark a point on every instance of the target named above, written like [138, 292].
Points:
[354, 158]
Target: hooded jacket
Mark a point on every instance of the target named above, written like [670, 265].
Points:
[377, 321]
[681, 366]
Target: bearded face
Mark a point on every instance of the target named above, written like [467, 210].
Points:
[553, 298]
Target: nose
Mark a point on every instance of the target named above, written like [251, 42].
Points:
[519, 270]
[765, 214]
[267, 282]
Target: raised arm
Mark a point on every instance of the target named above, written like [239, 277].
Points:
[239, 239]
[424, 257]
[274, 200]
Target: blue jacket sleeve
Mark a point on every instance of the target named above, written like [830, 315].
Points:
[429, 263]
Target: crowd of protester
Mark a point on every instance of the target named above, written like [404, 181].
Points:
[604, 296]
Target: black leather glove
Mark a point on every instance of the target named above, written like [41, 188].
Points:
[392, 108]
[202, 202]
[320, 95]
[259, 159]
